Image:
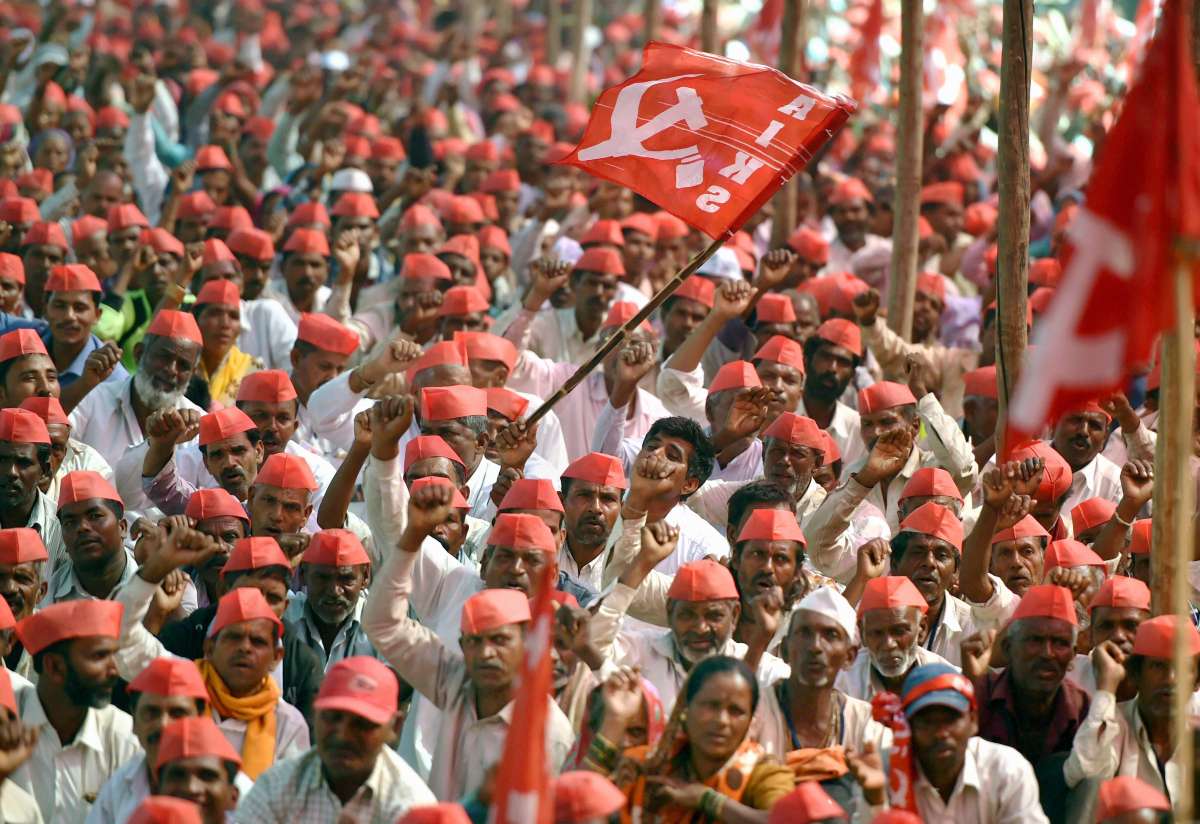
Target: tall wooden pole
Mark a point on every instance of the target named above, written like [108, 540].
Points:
[902, 285]
[790, 52]
[1012, 168]
[581, 53]
[709, 36]
[651, 13]
[553, 31]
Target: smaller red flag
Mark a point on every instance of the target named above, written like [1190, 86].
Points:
[864, 62]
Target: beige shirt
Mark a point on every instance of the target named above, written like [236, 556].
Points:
[18, 806]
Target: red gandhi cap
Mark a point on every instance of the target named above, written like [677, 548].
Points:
[493, 237]
[597, 468]
[212, 158]
[420, 216]
[286, 472]
[360, 685]
[222, 424]
[501, 180]
[214, 502]
[1121, 592]
[462, 209]
[253, 243]
[356, 204]
[1091, 513]
[387, 148]
[163, 242]
[797, 430]
[85, 485]
[531, 493]
[1156, 637]
[601, 259]
[933, 519]
[830, 448]
[1056, 476]
[933, 285]
[772, 525]
[494, 608]
[1027, 527]
[809, 245]
[806, 804]
[124, 215]
[22, 426]
[452, 352]
[12, 268]
[66, 620]
[47, 408]
[848, 189]
[891, 592]
[456, 499]
[21, 545]
[1046, 601]
[420, 265]
[584, 795]
[445, 403]
[308, 242]
[215, 251]
[310, 213]
[949, 193]
[171, 323]
[486, 346]
[931, 481]
[702, 291]
[603, 232]
[462, 300]
[670, 227]
[20, 342]
[44, 233]
[843, 333]
[506, 402]
[1140, 536]
[981, 382]
[163, 809]
[884, 395]
[326, 334]
[170, 676]
[19, 210]
[620, 313]
[196, 205]
[267, 386]
[335, 547]
[1045, 272]
[241, 605]
[429, 446]
[442, 813]
[642, 223]
[775, 308]
[1071, 553]
[703, 580]
[255, 553]
[72, 277]
[521, 531]
[197, 737]
[737, 374]
[782, 350]
[1128, 794]
[220, 292]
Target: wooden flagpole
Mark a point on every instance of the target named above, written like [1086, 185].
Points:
[785, 217]
[709, 35]
[1013, 184]
[581, 53]
[554, 22]
[650, 16]
[902, 285]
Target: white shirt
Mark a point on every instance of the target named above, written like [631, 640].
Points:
[105, 420]
[17, 806]
[267, 333]
[955, 625]
[277, 290]
[861, 682]
[129, 787]
[79, 456]
[1101, 478]
[845, 427]
[996, 786]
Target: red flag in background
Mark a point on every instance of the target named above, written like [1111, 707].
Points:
[1147, 10]
[1115, 296]
[764, 35]
[522, 794]
[706, 138]
[864, 62]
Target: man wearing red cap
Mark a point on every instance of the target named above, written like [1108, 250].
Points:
[25, 453]
[43, 247]
[1120, 606]
[851, 206]
[1079, 436]
[196, 763]
[97, 564]
[25, 368]
[72, 310]
[23, 584]
[474, 690]
[592, 488]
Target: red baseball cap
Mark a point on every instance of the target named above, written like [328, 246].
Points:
[360, 685]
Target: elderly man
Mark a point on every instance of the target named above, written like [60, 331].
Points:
[458, 414]
[890, 615]
[23, 585]
[25, 457]
[473, 690]
[352, 770]
[197, 763]
[97, 564]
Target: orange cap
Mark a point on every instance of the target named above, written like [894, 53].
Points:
[253, 243]
[702, 580]
[949, 193]
[47, 408]
[981, 382]
[1121, 592]
[241, 605]
[443, 403]
[85, 485]
[891, 592]
[930, 481]
[531, 493]
[219, 292]
[169, 676]
[214, 502]
[737, 374]
[1141, 536]
[420, 265]
[584, 795]
[849, 189]
[307, 241]
[429, 446]
[1091, 513]
[843, 333]
[325, 333]
[286, 472]
[797, 430]
[1027, 527]
[521, 531]
[1046, 601]
[21, 545]
[462, 300]
[494, 608]
[196, 737]
[360, 685]
[809, 245]
[223, 424]
[782, 350]
[1056, 477]
[162, 809]
[255, 553]
[486, 346]
[806, 804]
[216, 251]
[171, 323]
[67, 620]
[1156, 637]
[506, 402]
[601, 259]
[12, 268]
[72, 277]
[20, 342]
[775, 308]
[267, 386]
[22, 426]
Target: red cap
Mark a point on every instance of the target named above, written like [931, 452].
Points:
[933, 285]
[702, 291]
[531, 493]
[420, 216]
[241, 605]
[501, 180]
[356, 204]
[775, 308]
[7, 620]
[1046, 601]
[231, 218]
[41, 180]
[169, 676]
[506, 402]
[308, 242]
[163, 242]
[797, 430]
[521, 531]
[360, 685]
[703, 580]
[310, 213]
[72, 277]
[949, 193]
[21, 545]
[45, 234]
[937, 521]
[601, 259]
[219, 292]
[19, 210]
[830, 448]
[738, 374]
[335, 547]
[603, 232]
[584, 795]
[1027, 527]
[253, 243]
[1156, 637]
[442, 353]
[162, 809]
[809, 245]
[462, 300]
[1127, 794]
[891, 592]
[462, 209]
[215, 251]
[66, 620]
[981, 382]
[12, 268]
[979, 219]
[848, 189]
[47, 408]
[171, 323]
[286, 472]
[597, 468]
[456, 499]
[772, 525]
[1121, 592]
[443, 813]
[782, 350]
[259, 127]
[843, 333]
[214, 502]
[1091, 513]
[267, 386]
[642, 223]
[325, 333]
[7, 697]
[444, 403]
[884, 395]
[835, 292]
[387, 148]
[494, 608]
[22, 426]
[931, 481]
[223, 424]
[196, 737]
[620, 313]
[429, 446]
[493, 237]
[124, 215]
[20, 342]
[1056, 478]
[255, 553]
[1070, 553]
[1141, 536]
[1045, 272]
[196, 206]
[425, 266]
[212, 158]
[85, 485]
[486, 346]
[806, 804]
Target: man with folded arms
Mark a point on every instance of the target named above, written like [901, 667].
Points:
[196, 762]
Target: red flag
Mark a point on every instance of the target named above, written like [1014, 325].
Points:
[764, 35]
[1115, 296]
[1147, 10]
[864, 62]
[522, 793]
[706, 138]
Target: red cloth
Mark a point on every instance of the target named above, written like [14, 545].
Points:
[442, 813]
[493, 608]
[267, 386]
[866, 58]
[22, 426]
[887, 710]
[71, 619]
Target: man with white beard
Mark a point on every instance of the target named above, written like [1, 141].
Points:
[889, 621]
[112, 417]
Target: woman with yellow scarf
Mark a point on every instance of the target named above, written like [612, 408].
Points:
[219, 315]
[704, 768]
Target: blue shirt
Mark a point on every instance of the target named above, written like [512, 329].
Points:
[74, 370]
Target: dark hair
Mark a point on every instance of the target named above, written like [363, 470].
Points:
[135, 695]
[700, 464]
[899, 545]
[252, 435]
[720, 665]
[814, 343]
[7, 365]
[303, 348]
[57, 648]
[759, 492]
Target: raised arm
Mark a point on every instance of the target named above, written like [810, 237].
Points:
[335, 503]
[1004, 504]
[1137, 488]
[733, 299]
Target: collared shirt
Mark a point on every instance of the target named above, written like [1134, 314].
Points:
[295, 792]
[106, 420]
[861, 681]
[840, 255]
[267, 333]
[955, 623]
[998, 714]
[66, 586]
[996, 786]
[1101, 478]
[772, 728]
[845, 427]
[74, 370]
[17, 806]
[350, 639]
[129, 786]
[44, 518]
[554, 334]
[79, 456]
[66, 778]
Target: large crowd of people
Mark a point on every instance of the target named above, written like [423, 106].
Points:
[281, 285]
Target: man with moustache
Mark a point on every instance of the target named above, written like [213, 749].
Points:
[24, 463]
[26, 369]
[831, 356]
[91, 514]
[197, 763]
[591, 494]
[1121, 605]
[1080, 436]
[851, 205]
[229, 441]
[223, 518]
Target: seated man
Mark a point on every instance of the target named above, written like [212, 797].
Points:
[73, 294]
[196, 762]
[223, 518]
[91, 515]
[25, 368]
[23, 585]
[1121, 606]
[26, 453]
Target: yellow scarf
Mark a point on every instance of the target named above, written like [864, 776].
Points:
[223, 383]
[257, 710]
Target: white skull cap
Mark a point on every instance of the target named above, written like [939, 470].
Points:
[830, 603]
[724, 264]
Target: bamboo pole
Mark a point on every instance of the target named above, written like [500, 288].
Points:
[651, 13]
[1013, 186]
[581, 53]
[554, 23]
[902, 285]
[790, 53]
[709, 37]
